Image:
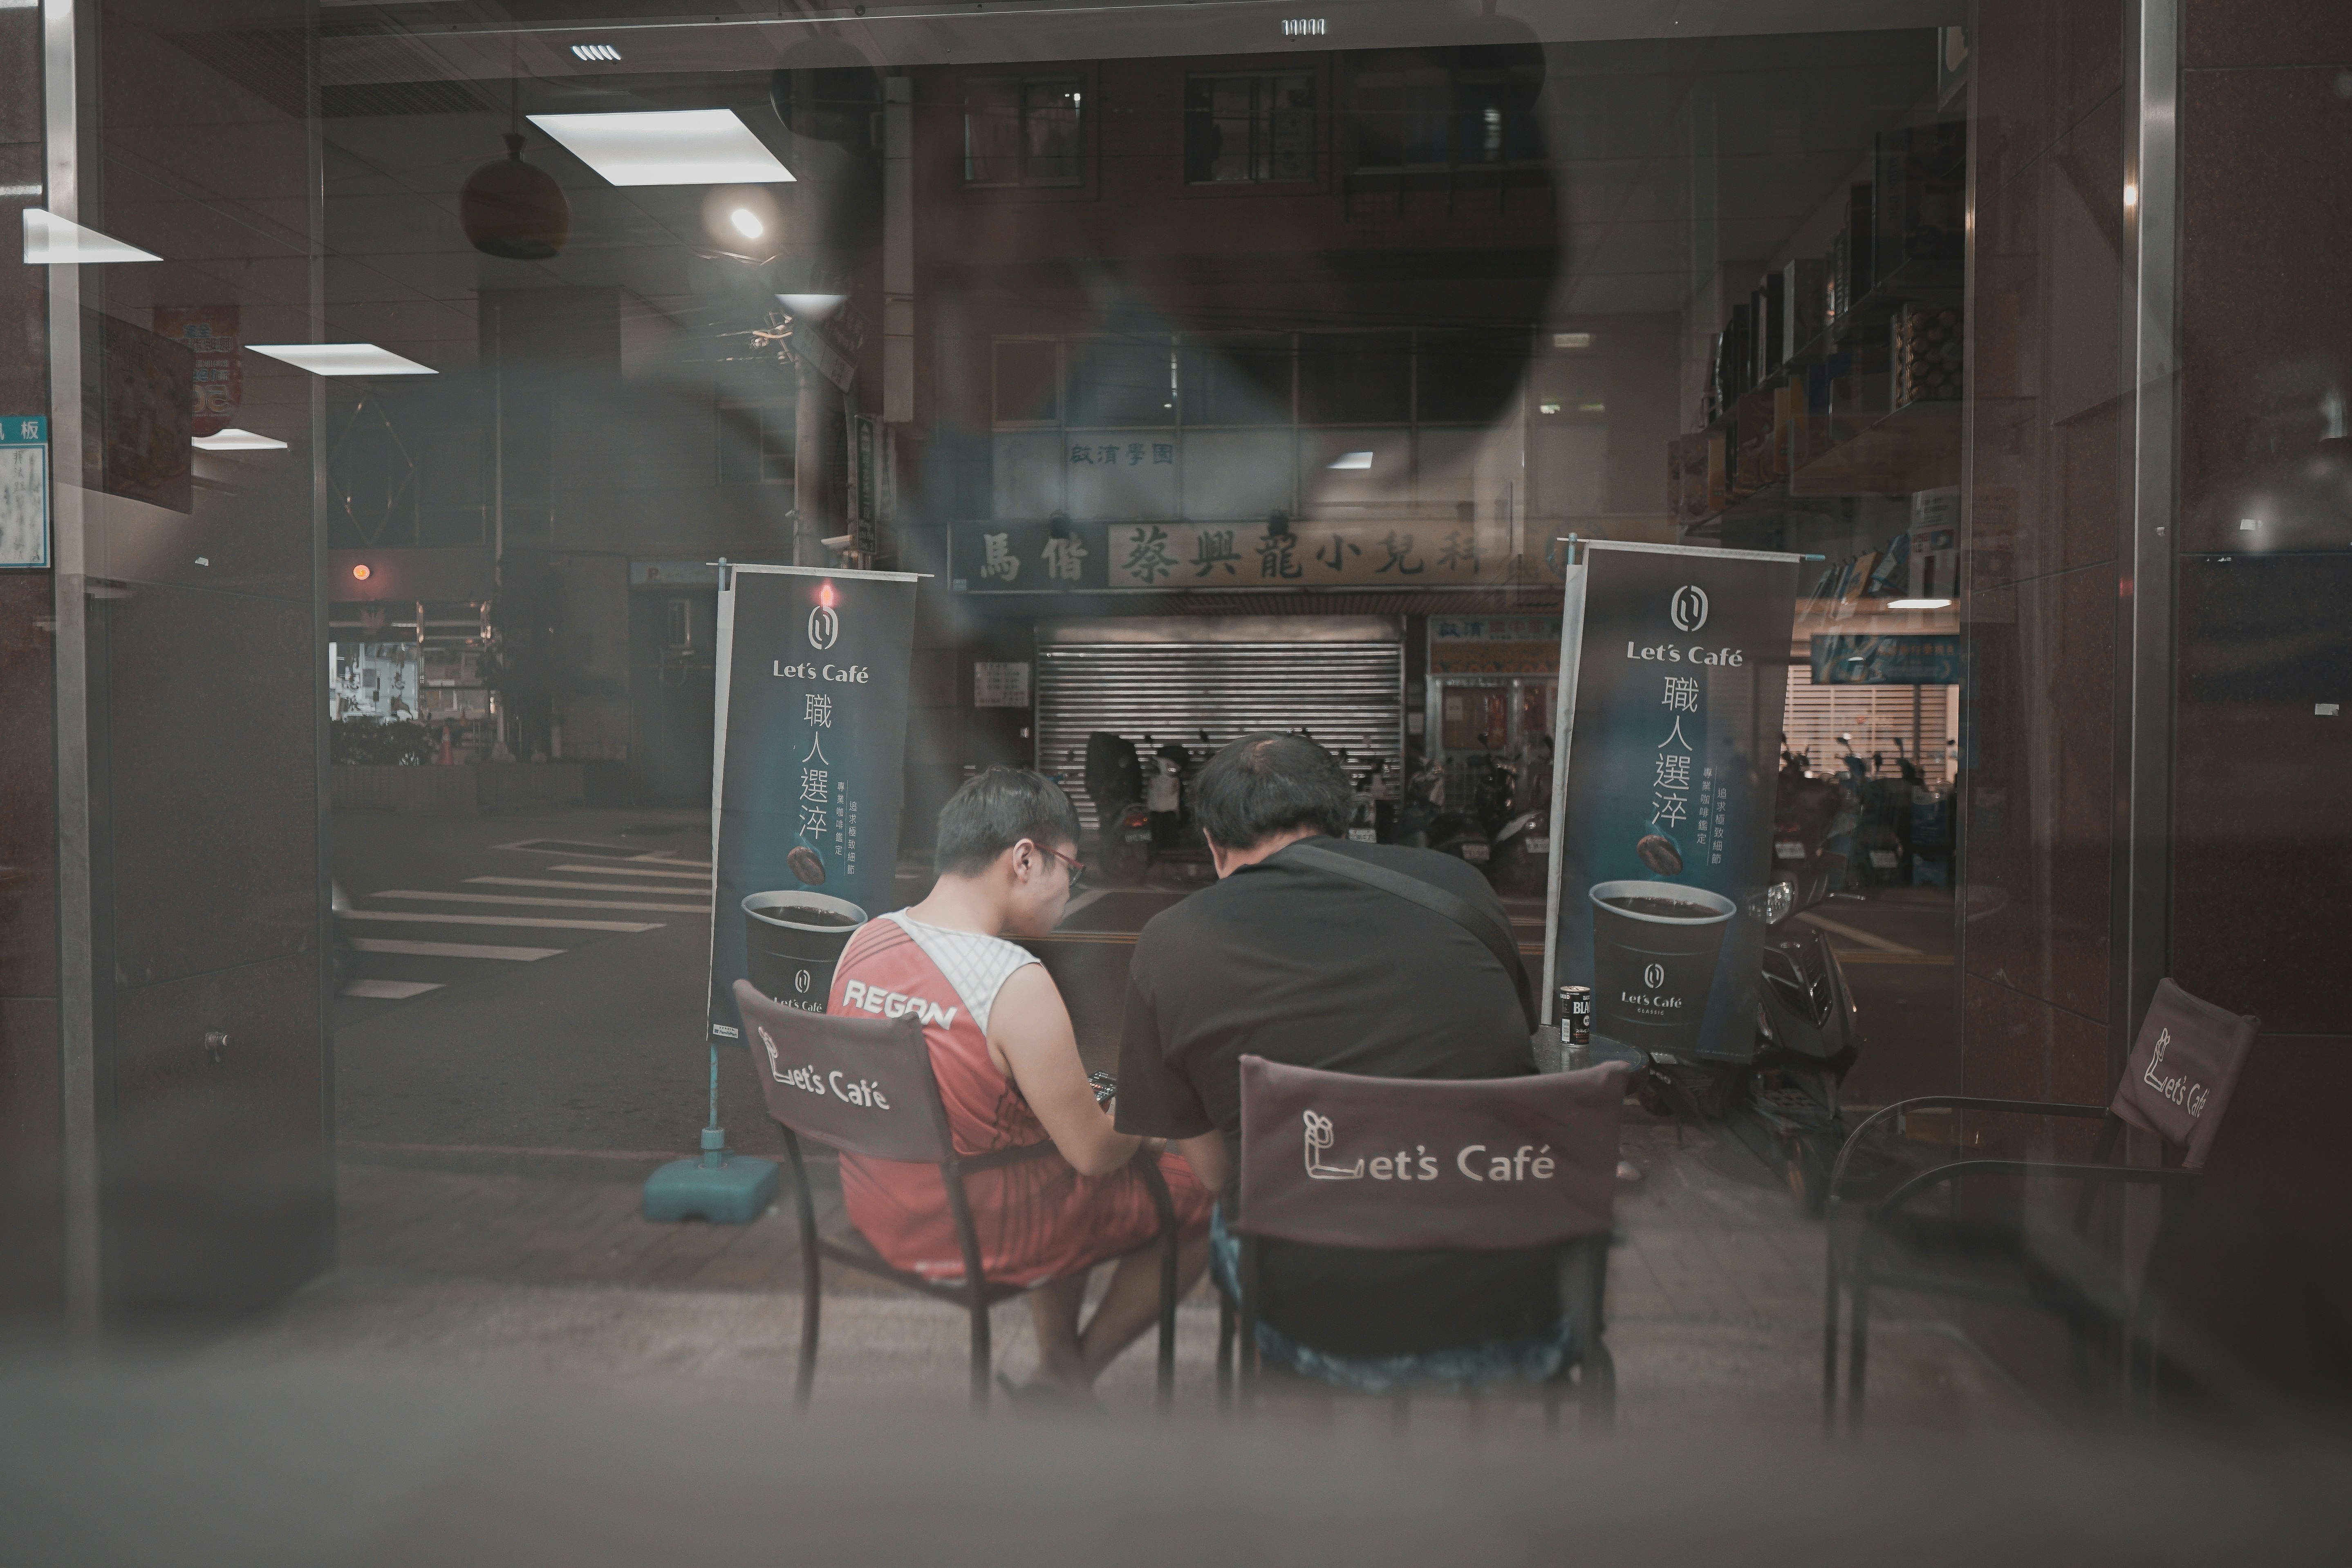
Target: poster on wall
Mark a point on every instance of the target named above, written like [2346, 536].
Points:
[806, 774]
[210, 334]
[1674, 679]
[25, 491]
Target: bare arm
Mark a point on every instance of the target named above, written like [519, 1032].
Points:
[1030, 1038]
[1206, 1155]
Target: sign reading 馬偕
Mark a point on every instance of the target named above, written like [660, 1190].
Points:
[1674, 679]
[812, 736]
[1899, 660]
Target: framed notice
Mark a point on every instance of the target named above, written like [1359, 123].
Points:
[1000, 686]
[24, 491]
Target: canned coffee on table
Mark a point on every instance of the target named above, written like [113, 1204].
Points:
[1575, 1018]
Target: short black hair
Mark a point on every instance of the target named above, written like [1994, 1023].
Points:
[995, 810]
[1266, 784]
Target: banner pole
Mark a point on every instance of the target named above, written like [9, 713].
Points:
[1563, 734]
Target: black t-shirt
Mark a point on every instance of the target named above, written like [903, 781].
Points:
[1299, 964]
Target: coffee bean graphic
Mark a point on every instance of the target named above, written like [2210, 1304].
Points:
[810, 869]
[1658, 853]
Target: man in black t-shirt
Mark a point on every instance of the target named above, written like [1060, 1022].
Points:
[1300, 964]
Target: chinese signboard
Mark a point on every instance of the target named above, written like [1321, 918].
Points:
[1886, 661]
[24, 491]
[1033, 557]
[1494, 644]
[1673, 672]
[812, 735]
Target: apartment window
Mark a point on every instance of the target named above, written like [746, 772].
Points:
[1027, 381]
[1471, 111]
[1249, 130]
[1121, 382]
[1022, 130]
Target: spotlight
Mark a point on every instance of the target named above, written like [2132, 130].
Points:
[363, 572]
[747, 223]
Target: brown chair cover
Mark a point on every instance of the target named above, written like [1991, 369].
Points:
[1484, 1165]
[860, 1085]
[2182, 1069]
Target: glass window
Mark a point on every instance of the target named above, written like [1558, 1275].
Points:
[1119, 382]
[755, 443]
[1028, 381]
[1241, 378]
[1249, 128]
[1355, 378]
[1477, 110]
[1022, 130]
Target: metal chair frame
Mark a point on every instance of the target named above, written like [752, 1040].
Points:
[975, 1292]
[2130, 1313]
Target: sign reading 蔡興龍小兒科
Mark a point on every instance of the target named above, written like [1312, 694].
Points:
[1674, 679]
[811, 740]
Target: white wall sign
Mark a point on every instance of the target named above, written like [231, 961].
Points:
[1000, 686]
[24, 491]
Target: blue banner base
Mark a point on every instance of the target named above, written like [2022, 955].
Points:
[735, 1191]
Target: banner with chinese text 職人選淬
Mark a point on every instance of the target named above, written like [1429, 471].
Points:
[812, 739]
[1674, 680]
[1048, 557]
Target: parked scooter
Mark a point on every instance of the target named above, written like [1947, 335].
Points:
[1783, 1105]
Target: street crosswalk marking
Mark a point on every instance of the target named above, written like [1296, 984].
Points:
[499, 920]
[655, 891]
[389, 990]
[450, 949]
[548, 903]
[702, 875]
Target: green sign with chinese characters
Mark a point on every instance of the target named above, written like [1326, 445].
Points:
[24, 491]
[1042, 557]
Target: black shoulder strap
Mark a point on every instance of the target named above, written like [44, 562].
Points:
[1461, 911]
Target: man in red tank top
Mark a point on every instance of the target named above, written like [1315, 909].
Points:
[1008, 1068]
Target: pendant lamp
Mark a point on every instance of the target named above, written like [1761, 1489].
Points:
[510, 208]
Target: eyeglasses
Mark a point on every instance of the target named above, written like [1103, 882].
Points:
[1077, 867]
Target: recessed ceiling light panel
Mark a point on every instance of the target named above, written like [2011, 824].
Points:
[343, 359]
[669, 147]
[236, 440]
[49, 238]
[1352, 460]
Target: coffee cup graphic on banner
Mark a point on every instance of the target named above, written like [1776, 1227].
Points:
[793, 942]
[1654, 946]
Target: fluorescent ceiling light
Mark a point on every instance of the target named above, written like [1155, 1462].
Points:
[234, 440]
[1919, 604]
[1352, 460]
[594, 52]
[1571, 339]
[51, 239]
[815, 306]
[669, 147]
[343, 359]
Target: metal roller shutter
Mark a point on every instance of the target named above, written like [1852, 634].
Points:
[1348, 694]
[1875, 716]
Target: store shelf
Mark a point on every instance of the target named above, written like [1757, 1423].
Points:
[1915, 447]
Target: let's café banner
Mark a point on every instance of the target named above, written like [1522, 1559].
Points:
[812, 736]
[1674, 676]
